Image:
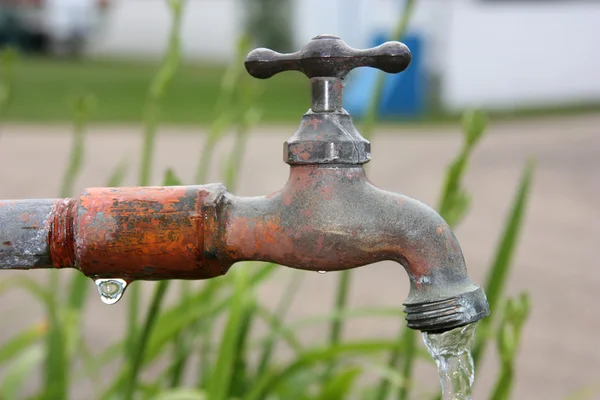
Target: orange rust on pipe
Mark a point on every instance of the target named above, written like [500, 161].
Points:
[148, 233]
[60, 235]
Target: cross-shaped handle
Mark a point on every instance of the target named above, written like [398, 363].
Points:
[328, 56]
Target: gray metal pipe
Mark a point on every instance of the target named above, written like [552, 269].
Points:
[24, 231]
[34, 232]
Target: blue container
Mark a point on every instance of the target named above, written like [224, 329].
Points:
[404, 94]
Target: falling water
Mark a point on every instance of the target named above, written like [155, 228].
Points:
[452, 353]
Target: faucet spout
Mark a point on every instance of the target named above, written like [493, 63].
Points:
[330, 217]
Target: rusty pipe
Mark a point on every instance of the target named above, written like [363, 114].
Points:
[147, 233]
[327, 217]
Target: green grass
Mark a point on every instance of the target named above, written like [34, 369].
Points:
[45, 89]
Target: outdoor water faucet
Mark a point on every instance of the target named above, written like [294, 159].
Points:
[328, 217]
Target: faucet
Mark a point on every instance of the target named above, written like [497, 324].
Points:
[327, 217]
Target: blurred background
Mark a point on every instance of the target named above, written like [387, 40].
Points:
[537, 52]
[533, 66]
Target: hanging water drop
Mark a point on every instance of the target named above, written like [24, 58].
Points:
[322, 272]
[110, 290]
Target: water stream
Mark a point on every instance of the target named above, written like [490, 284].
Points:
[452, 353]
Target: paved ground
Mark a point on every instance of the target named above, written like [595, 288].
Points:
[556, 261]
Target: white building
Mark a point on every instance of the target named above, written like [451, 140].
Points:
[489, 53]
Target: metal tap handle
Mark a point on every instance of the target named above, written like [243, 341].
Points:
[328, 56]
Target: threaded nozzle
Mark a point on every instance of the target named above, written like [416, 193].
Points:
[443, 315]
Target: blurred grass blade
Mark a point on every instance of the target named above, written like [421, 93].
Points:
[216, 130]
[340, 386]
[589, 392]
[56, 375]
[18, 374]
[72, 313]
[241, 380]
[269, 381]
[82, 105]
[290, 331]
[8, 60]
[276, 330]
[158, 88]
[240, 304]
[404, 351]
[263, 272]
[341, 299]
[138, 353]
[410, 344]
[474, 123]
[78, 291]
[248, 116]
[200, 327]
[236, 158]
[454, 201]
[300, 386]
[337, 325]
[226, 108]
[181, 394]
[171, 179]
[90, 368]
[508, 340]
[498, 274]
[21, 342]
[205, 360]
[392, 312]
[392, 375]
[168, 325]
[118, 174]
[30, 286]
[174, 320]
[285, 302]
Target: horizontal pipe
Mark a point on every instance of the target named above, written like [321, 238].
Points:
[326, 218]
[132, 233]
[31, 230]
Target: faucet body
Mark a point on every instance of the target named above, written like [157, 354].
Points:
[328, 216]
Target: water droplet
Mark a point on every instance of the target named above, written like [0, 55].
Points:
[322, 272]
[110, 290]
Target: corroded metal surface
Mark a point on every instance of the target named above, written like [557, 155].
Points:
[327, 138]
[24, 230]
[147, 233]
[330, 217]
[61, 239]
[328, 55]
